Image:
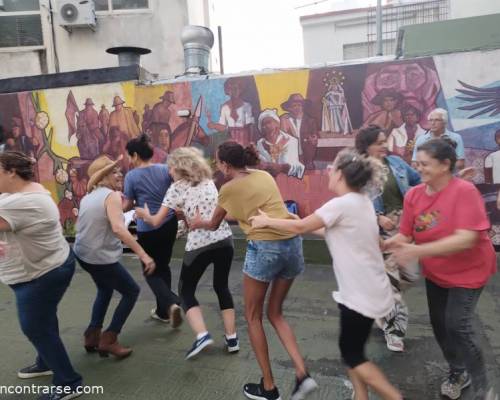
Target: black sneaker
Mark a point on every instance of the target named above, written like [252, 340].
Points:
[256, 391]
[60, 396]
[199, 345]
[232, 345]
[304, 387]
[33, 371]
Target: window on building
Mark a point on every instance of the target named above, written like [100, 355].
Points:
[354, 51]
[20, 23]
[117, 5]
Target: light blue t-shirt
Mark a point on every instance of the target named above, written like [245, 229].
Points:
[452, 135]
[148, 185]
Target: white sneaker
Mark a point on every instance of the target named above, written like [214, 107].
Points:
[491, 395]
[453, 386]
[394, 342]
[304, 387]
[156, 317]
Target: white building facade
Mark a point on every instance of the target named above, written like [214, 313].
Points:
[33, 42]
[351, 33]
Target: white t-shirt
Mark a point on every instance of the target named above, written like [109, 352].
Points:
[244, 113]
[492, 161]
[36, 244]
[203, 197]
[352, 236]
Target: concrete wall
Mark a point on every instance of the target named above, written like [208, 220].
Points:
[11, 63]
[325, 36]
[468, 8]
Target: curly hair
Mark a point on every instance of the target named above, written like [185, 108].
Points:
[190, 165]
[238, 156]
[22, 164]
[361, 172]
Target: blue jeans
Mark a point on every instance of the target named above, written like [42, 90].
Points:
[452, 319]
[37, 303]
[267, 260]
[108, 278]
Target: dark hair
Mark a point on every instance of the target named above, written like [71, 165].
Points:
[406, 108]
[356, 168]
[238, 156]
[366, 137]
[22, 164]
[140, 145]
[441, 150]
[497, 134]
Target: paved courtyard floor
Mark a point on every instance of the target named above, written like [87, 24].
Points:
[157, 369]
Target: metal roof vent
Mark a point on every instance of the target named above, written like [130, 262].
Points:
[197, 42]
[128, 55]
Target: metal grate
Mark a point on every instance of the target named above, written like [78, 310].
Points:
[396, 16]
[20, 30]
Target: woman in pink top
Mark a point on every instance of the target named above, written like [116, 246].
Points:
[446, 218]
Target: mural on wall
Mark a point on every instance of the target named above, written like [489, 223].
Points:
[298, 121]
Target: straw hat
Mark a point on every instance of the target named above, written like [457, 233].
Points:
[99, 169]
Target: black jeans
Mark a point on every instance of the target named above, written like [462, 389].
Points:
[191, 274]
[37, 302]
[452, 317]
[158, 244]
[108, 278]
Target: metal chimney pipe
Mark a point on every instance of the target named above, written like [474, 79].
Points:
[197, 42]
[128, 55]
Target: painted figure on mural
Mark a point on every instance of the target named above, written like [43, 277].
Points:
[124, 118]
[417, 82]
[104, 122]
[298, 124]
[68, 210]
[161, 150]
[88, 132]
[115, 146]
[335, 114]
[18, 140]
[77, 179]
[147, 118]
[401, 140]
[160, 116]
[492, 163]
[278, 151]
[236, 115]
[389, 117]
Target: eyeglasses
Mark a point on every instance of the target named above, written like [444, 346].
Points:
[436, 120]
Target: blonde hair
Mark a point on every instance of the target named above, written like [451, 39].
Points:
[190, 164]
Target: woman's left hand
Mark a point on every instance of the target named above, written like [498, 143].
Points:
[405, 253]
[259, 221]
[143, 213]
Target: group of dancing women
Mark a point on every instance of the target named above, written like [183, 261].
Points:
[383, 220]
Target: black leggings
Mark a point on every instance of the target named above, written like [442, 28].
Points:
[354, 331]
[158, 244]
[191, 274]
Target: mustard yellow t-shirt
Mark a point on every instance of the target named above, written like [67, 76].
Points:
[243, 197]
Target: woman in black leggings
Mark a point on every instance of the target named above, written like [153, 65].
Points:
[193, 192]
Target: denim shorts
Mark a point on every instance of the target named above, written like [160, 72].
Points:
[267, 260]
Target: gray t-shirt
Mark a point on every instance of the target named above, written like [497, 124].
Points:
[36, 244]
[95, 241]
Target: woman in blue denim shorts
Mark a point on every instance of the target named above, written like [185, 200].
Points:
[274, 258]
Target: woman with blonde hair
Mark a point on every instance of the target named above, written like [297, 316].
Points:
[194, 191]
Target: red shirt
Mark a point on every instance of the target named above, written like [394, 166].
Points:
[427, 218]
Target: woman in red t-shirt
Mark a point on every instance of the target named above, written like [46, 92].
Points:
[446, 218]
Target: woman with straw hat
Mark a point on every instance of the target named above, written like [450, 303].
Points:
[98, 247]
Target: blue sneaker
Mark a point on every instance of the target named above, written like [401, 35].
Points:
[33, 371]
[73, 394]
[199, 345]
[232, 345]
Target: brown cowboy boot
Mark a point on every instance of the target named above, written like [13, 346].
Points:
[92, 336]
[109, 344]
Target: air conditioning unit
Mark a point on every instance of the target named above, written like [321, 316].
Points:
[76, 13]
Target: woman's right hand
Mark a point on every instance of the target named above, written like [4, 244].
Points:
[386, 223]
[143, 212]
[149, 264]
[259, 221]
